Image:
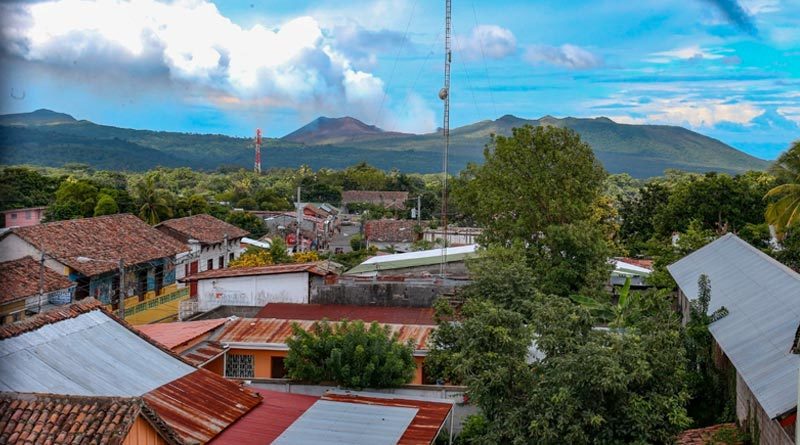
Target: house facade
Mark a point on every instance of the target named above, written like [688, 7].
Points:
[29, 288]
[396, 234]
[23, 217]
[391, 200]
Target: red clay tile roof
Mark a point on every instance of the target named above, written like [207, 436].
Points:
[256, 270]
[268, 421]
[203, 228]
[52, 316]
[390, 200]
[178, 333]
[198, 406]
[275, 331]
[425, 426]
[106, 238]
[336, 312]
[703, 436]
[77, 420]
[20, 279]
[392, 230]
[641, 262]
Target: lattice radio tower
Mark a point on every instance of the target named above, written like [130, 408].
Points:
[444, 95]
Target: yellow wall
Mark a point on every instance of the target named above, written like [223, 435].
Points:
[142, 433]
[7, 309]
[217, 366]
[418, 373]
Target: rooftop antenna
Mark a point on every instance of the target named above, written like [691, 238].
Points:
[257, 166]
[444, 95]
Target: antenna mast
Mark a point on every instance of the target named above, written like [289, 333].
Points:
[444, 95]
[257, 166]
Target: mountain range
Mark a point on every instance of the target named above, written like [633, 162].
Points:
[45, 137]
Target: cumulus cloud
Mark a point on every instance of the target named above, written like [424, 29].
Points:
[736, 14]
[489, 41]
[791, 113]
[297, 65]
[696, 113]
[565, 56]
[694, 52]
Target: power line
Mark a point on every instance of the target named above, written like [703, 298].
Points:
[483, 57]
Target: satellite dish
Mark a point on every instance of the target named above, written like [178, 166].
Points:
[443, 93]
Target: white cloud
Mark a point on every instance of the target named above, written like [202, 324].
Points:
[694, 52]
[791, 113]
[489, 41]
[298, 64]
[566, 56]
[696, 113]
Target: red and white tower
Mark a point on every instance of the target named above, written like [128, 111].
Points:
[257, 167]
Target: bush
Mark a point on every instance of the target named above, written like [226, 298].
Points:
[357, 243]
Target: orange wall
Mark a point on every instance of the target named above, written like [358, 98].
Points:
[418, 373]
[217, 366]
[142, 433]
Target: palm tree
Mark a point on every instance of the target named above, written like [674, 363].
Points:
[154, 201]
[784, 210]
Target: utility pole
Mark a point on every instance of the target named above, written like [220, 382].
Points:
[419, 208]
[225, 255]
[257, 166]
[121, 289]
[41, 284]
[444, 95]
[298, 244]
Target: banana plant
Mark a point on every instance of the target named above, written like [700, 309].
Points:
[620, 315]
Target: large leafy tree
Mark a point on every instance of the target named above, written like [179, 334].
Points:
[784, 209]
[350, 354]
[155, 203]
[536, 178]
[249, 222]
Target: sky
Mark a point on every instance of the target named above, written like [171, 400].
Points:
[729, 69]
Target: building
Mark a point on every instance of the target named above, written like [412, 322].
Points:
[28, 288]
[257, 286]
[83, 351]
[386, 199]
[419, 263]
[381, 314]
[23, 217]
[625, 268]
[456, 236]
[397, 234]
[89, 251]
[762, 297]
[340, 417]
[212, 243]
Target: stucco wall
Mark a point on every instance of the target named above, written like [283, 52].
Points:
[13, 247]
[395, 293]
[253, 290]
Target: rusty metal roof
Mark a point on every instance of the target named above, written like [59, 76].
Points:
[256, 270]
[424, 427]
[259, 331]
[178, 333]
[381, 314]
[203, 353]
[200, 405]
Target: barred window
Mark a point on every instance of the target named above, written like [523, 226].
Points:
[240, 366]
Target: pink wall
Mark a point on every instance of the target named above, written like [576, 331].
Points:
[23, 217]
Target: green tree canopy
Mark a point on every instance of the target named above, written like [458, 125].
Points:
[249, 222]
[350, 354]
[105, 206]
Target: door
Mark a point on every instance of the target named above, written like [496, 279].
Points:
[193, 284]
[277, 367]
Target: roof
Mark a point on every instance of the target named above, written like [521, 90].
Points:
[104, 238]
[201, 404]
[256, 270]
[391, 230]
[704, 436]
[22, 210]
[641, 262]
[268, 420]
[20, 279]
[423, 428]
[257, 243]
[401, 315]
[58, 314]
[42, 418]
[204, 228]
[272, 331]
[175, 334]
[763, 299]
[391, 200]
[625, 268]
[203, 352]
[413, 259]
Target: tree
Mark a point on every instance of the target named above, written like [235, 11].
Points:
[349, 354]
[357, 243]
[305, 257]
[536, 178]
[105, 206]
[253, 257]
[638, 214]
[248, 222]
[22, 187]
[74, 198]
[154, 202]
[278, 251]
[624, 313]
[784, 210]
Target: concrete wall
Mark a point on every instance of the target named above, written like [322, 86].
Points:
[750, 413]
[377, 293]
[23, 217]
[227, 311]
[253, 290]
[13, 247]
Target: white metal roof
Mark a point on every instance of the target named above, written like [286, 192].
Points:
[332, 422]
[90, 354]
[623, 268]
[432, 253]
[763, 298]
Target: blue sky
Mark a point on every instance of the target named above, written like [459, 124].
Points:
[726, 68]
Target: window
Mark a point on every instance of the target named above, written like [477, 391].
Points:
[28, 214]
[13, 216]
[230, 257]
[210, 264]
[221, 262]
[239, 366]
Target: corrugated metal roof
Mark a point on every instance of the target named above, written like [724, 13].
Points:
[264, 423]
[90, 354]
[763, 300]
[332, 422]
[412, 259]
[203, 352]
[427, 422]
[256, 270]
[200, 405]
[260, 331]
[381, 314]
[175, 334]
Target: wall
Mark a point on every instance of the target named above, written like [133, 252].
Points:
[262, 360]
[253, 290]
[13, 247]
[217, 366]
[8, 310]
[24, 217]
[377, 293]
[227, 311]
[770, 431]
[142, 433]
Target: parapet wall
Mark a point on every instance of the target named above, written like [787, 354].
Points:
[386, 291]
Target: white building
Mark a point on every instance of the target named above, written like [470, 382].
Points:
[256, 286]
